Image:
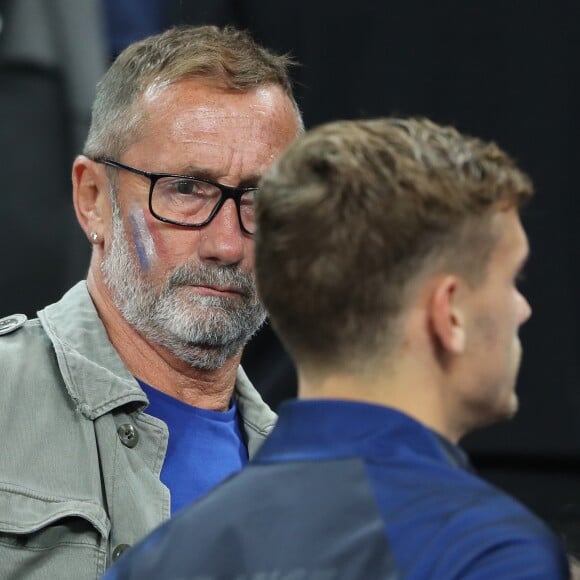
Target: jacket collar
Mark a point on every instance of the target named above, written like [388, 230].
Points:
[94, 374]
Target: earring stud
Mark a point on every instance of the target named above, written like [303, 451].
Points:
[94, 236]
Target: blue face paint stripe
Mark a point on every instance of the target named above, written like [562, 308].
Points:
[138, 241]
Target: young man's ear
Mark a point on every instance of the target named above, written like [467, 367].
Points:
[90, 196]
[447, 316]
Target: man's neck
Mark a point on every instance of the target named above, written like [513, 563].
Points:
[159, 368]
[409, 390]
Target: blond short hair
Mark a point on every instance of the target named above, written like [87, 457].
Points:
[355, 211]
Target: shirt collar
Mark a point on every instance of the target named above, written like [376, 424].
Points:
[326, 429]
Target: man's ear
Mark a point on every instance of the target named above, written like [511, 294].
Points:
[90, 196]
[447, 316]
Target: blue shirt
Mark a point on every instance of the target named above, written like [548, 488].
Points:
[205, 447]
[345, 490]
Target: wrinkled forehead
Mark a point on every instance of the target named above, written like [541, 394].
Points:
[189, 123]
[215, 160]
[193, 105]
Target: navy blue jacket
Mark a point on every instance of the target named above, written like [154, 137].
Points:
[344, 490]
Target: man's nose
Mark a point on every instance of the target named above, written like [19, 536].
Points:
[222, 240]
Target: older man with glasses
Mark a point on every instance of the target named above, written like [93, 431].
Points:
[125, 400]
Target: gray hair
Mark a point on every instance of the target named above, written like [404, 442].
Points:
[226, 55]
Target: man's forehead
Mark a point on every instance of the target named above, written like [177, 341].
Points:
[207, 96]
[192, 128]
[207, 120]
[210, 159]
[185, 114]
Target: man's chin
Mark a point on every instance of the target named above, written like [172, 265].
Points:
[495, 412]
[514, 405]
[508, 409]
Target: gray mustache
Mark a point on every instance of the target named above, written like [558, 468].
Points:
[221, 276]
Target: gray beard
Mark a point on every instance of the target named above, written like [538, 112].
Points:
[203, 331]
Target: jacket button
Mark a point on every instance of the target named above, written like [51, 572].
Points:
[128, 435]
[119, 550]
[11, 323]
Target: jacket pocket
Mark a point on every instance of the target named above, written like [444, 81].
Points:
[48, 538]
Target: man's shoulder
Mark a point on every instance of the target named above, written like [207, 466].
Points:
[445, 493]
[23, 342]
[19, 334]
[462, 526]
[31, 373]
[501, 535]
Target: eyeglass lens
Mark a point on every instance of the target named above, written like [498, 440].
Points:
[191, 202]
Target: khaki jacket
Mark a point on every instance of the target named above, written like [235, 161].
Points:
[80, 458]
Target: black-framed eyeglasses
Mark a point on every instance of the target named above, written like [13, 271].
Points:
[192, 201]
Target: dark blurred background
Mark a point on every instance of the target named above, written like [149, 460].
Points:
[505, 70]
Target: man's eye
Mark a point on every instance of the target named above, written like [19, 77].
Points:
[248, 197]
[186, 187]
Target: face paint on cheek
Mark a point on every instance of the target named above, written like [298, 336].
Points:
[142, 239]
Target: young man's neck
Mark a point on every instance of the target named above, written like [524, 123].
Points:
[412, 392]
